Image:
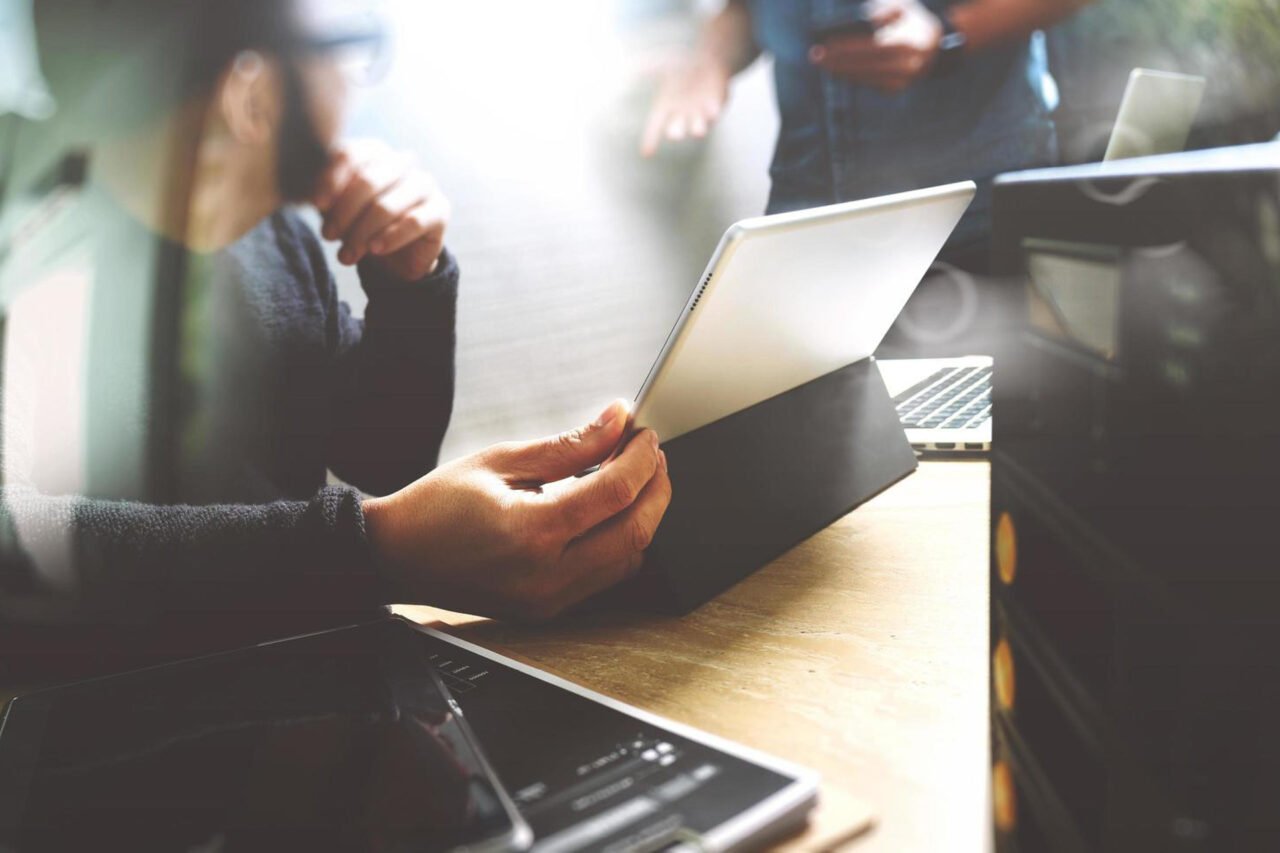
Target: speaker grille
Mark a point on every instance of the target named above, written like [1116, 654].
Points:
[697, 297]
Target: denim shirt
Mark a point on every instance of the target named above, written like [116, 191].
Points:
[841, 141]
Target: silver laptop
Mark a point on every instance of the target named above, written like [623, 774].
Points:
[1156, 115]
[945, 404]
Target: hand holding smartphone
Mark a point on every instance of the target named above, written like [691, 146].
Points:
[853, 19]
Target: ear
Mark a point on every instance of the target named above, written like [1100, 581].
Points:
[248, 98]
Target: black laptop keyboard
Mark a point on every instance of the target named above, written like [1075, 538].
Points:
[952, 398]
[457, 675]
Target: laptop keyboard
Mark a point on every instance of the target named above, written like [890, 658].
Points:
[458, 676]
[952, 398]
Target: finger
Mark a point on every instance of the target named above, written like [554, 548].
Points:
[885, 14]
[332, 180]
[425, 219]
[676, 128]
[368, 182]
[374, 218]
[559, 456]
[844, 46]
[652, 136]
[599, 496]
[697, 126]
[616, 548]
[419, 257]
[365, 186]
[346, 158]
[850, 48]
[394, 203]
[865, 68]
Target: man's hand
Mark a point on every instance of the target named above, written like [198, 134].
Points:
[901, 52]
[481, 534]
[380, 204]
[688, 103]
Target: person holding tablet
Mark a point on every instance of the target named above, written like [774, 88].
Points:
[282, 383]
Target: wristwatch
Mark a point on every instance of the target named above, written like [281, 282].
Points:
[950, 47]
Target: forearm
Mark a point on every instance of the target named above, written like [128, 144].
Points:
[991, 23]
[75, 559]
[395, 383]
[727, 40]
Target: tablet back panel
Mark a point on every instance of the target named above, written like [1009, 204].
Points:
[791, 297]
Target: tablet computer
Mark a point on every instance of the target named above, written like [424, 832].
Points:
[790, 297]
[343, 740]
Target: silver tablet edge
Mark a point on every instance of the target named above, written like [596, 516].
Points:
[780, 221]
[675, 338]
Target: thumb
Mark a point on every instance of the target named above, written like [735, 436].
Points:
[556, 457]
[656, 123]
[885, 14]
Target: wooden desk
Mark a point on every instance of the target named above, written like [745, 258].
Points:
[861, 653]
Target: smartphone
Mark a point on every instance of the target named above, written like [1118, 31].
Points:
[343, 740]
[853, 19]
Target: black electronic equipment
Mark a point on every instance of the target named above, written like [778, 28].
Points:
[368, 738]
[1135, 612]
[748, 487]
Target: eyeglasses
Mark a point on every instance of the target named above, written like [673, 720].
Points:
[363, 54]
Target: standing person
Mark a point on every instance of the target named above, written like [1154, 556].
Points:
[940, 91]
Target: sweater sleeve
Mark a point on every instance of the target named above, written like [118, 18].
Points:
[82, 559]
[394, 378]
[90, 586]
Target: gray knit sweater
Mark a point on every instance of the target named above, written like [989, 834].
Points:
[250, 542]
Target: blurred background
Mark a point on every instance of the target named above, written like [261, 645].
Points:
[1235, 44]
[578, 254]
